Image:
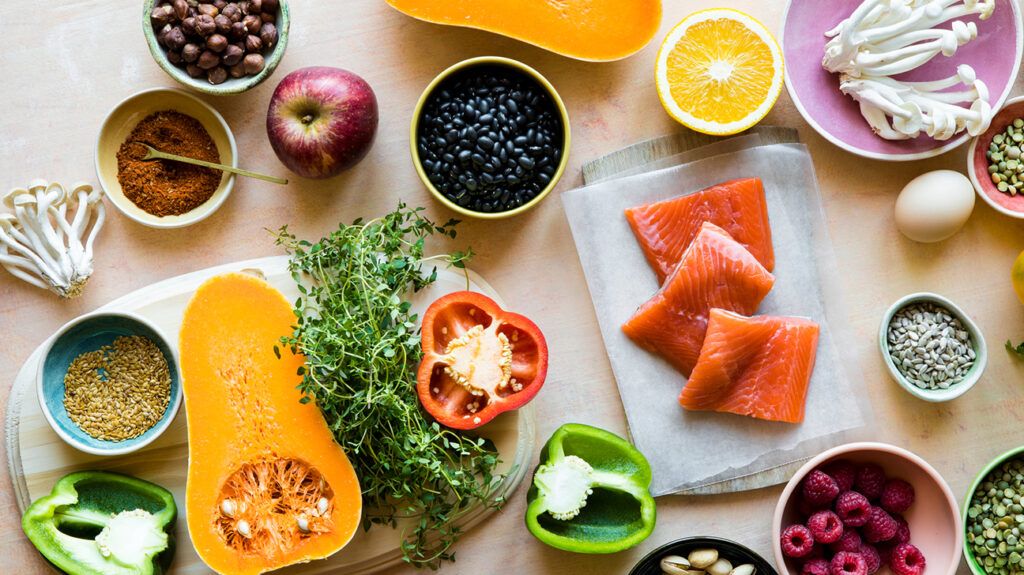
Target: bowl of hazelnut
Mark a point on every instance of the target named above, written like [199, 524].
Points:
[217, 46]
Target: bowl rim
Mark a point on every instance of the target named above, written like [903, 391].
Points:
[156, 431]
[972, 172]
[980, 348]
[889, 157]
[500, 61]
[184, 220]
[227, 88]
[969, 558]
[704, 539]
[811, 464]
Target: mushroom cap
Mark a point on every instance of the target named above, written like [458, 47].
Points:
[56, 194]
[14, 194]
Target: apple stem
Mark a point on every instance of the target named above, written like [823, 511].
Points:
[307, 119]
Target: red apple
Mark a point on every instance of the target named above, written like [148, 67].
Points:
[321, 121]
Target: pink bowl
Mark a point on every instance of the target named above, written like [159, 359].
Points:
[995, 55]
[935, 524]
[977, 163]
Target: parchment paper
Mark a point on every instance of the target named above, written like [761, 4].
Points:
[692, 450]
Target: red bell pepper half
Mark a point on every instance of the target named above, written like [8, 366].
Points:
[478, 360]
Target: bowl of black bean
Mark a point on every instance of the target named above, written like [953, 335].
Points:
[490, 137]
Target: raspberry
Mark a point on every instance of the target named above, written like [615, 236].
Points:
[880, 526]
[902, 531]
[815, 567]
[871, 557]
[849, 563]
[850, 541]
[844, 472]
[870, 481]
[897, 496]
[797, 541]
[907, 560]
[825, 526]
[819, 488]
[853, 508]
[806, 508]
[885, 550]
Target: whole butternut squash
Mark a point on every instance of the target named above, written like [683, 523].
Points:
[267, 485]
[595, 30]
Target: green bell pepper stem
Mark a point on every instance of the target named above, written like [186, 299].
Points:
[101, 523]
[590, 493]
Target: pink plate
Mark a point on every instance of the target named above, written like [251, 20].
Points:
[995, 55]
[935, 524]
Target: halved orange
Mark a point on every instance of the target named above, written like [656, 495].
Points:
[719, 71]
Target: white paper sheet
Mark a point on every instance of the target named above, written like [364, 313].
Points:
[689, 450]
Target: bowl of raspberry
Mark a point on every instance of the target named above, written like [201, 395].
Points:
[866, 508]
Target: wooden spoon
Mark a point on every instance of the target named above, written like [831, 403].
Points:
[155, 154]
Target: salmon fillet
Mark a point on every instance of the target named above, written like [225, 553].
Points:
[715, 272]
[665, 229]
[756, 366]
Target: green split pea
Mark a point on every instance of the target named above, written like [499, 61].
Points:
[1005, 165]
[995, 520]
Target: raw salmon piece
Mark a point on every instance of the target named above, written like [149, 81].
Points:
[715, 271]
[665, 229]
[758, 366]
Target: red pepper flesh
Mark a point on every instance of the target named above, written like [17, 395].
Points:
[478, 360]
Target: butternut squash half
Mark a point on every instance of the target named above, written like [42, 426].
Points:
[594, 30]
[267, 485]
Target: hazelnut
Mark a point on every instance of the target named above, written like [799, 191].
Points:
[253, 44]
[217, 75]
[268, 33]
[255, 6]
[161, 15]
[174, 57]
[223, 23]
[161, 36]
[237, 71]
[190, 53]
[238, 31]
[253, 64]
[232, 55]
[189, 25]
[217, 43]
[208, 60]
[180, 9]
[205, 25]
[270, 6]
[175, 38]
[252, 23]
[194, 71]
[268, 17]
[208, 10]
[220, 4]
[232, 11]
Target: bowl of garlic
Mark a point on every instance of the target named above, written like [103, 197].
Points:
[703, 555]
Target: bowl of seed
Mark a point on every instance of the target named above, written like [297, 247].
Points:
[490, 137]
[931, 347]
[993, 517]
[995, 161]
[703, 556]
[108, 383]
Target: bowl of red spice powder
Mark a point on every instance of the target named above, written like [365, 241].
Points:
[163, 193]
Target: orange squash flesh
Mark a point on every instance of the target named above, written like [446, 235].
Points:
[594, 30]
[257, 455]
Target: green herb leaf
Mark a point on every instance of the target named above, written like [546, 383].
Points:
[1019, 350]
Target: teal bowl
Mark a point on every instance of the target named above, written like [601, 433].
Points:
[969, 554]
[89, 333]
[231, 85]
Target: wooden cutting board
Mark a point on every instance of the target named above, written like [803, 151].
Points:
[38, 457]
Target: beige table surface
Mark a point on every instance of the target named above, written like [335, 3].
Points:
[65, 64]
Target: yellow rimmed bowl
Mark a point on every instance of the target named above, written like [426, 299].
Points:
[489, 61]
[119, 125]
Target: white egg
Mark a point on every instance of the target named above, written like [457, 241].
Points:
[934, 206]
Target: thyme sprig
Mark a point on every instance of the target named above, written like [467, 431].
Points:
[362, 348]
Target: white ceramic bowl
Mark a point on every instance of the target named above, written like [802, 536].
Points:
[88, 333]
[980, 348]
[123, 119]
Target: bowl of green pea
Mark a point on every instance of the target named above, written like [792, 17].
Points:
[995, 160]
[994, 517]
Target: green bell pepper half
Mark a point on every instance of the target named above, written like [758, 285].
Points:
[101, 523]
[590, 493]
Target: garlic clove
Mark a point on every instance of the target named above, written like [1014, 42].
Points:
[702, 558]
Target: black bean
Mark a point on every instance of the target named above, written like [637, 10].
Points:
[486, 119]
[485, 142]
[526, 162]
[464, 155]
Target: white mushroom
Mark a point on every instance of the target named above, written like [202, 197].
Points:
[886, 38]
[38, 242]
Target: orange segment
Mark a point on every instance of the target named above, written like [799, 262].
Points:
[719, 72]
